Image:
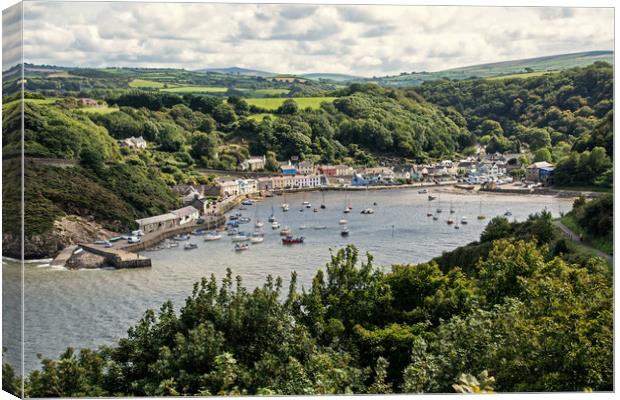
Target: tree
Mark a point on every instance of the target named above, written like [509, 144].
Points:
[543, 154]
[204, 146]
[289, 106]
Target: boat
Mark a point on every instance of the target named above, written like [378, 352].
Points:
[211, 236]
[316, 210]
[308, 205]
[435, 217]
[429, 214]
[323, 200]
[172, 245]
[346, 210]
[507, 214]
[243, 208]
[452, 210]
[347, 205]
[344, 231]
[244, 220]
[431, 198]
[481, 216]
[269, 194]
[464, 221]
[258, 224]
[272, 217]
[275, 225]
[285, 231]
[450, 221]
[374, 204]
[240, 238]
[247, 202]
[303, 227]
[180, 238]
[457, 226]
[305, 204]
[320, 227]
[199, 232]
[367, 211]
[233, 217]
[256, 239]
[190, 246]
[241, 246]
[285, 207]
[423, 191]
[292, 240]
[342, 221]
[301, 210]
[233, 232]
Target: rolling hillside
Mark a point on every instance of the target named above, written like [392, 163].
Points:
[238, 71]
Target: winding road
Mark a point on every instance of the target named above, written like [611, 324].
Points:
[575, 238]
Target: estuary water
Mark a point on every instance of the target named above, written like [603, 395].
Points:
[88, 308]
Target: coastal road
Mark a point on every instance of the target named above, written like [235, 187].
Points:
[575, 238]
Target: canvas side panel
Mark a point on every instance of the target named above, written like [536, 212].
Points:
[12, 201]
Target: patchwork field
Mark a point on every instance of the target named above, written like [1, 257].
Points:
[302, 102]
[143, 83]
[522, 75]
[195, 89]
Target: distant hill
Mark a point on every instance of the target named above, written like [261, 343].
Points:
[238, 71]
[332, 77]
[513, 68]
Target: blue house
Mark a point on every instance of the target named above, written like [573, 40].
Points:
[545, 175]
[359, 180]
[288, 170]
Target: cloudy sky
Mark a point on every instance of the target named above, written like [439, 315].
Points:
[360, 40]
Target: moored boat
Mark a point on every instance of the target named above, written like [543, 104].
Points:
[292, 240]
[257, 240]
[190, 246]
[450, 221]
[240, 238]
[344, 231]
[275, 225]
[211, 236]
[464, 221]
[241, 246]
[342, 221]
[285, 231]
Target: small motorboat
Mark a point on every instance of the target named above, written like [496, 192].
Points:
[233, 232]
[429, 214]
[275, 225]
[423, 191]
[244, 220]
[305, 203]
[211, 236]
[272, 218]
[243, 208]
[320, 227]
[292, 240]
[181, 238]
[347, 210]
[199, 232]
[190, 246]
[240, 238]
[367, 211]
[303, 227]
[507, 214]
[256, 239]
[342, 221]
[258, 224]
[316, 210]
[233, 217]
[450, 221]
[481, 217]
[308, 205]
[439, 210]
[285, 231]
[284, 207]
[241, 246]
[435, 217]
[301, 210]
[323, 206]
[344, 231]
[431, 198]
[247, 202]
[457, 226]
[464, 221]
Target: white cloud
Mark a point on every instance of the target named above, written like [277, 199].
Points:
[363, 40]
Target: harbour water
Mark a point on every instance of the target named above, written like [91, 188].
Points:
[88, 308]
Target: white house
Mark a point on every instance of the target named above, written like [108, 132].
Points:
[186, 214]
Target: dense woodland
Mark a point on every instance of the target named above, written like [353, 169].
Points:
[362, 329]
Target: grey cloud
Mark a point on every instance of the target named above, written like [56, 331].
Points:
[297, 11]
[378, 31]
[550, 13]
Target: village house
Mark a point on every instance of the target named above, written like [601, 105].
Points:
[533, 171]
[359, 180]
[222, 188]
[186, 214]
[305, 167]
[247, 186]
[133, 142]
[299, 181]
[88, 102]
[200, 204]
[378, 174]
[254, 163]
[158, 222]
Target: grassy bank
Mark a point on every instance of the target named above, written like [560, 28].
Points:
[604, 244]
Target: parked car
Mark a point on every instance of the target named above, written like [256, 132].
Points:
[133, 239]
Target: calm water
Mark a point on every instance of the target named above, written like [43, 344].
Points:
[88, 308]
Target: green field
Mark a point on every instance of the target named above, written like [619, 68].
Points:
[195, 89]
[98, 110]
[269, 91]
[260, 117]
[522, 75]
[302, 102]
[49, 100]
[143, 83]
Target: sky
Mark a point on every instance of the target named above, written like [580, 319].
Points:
[359, 40]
